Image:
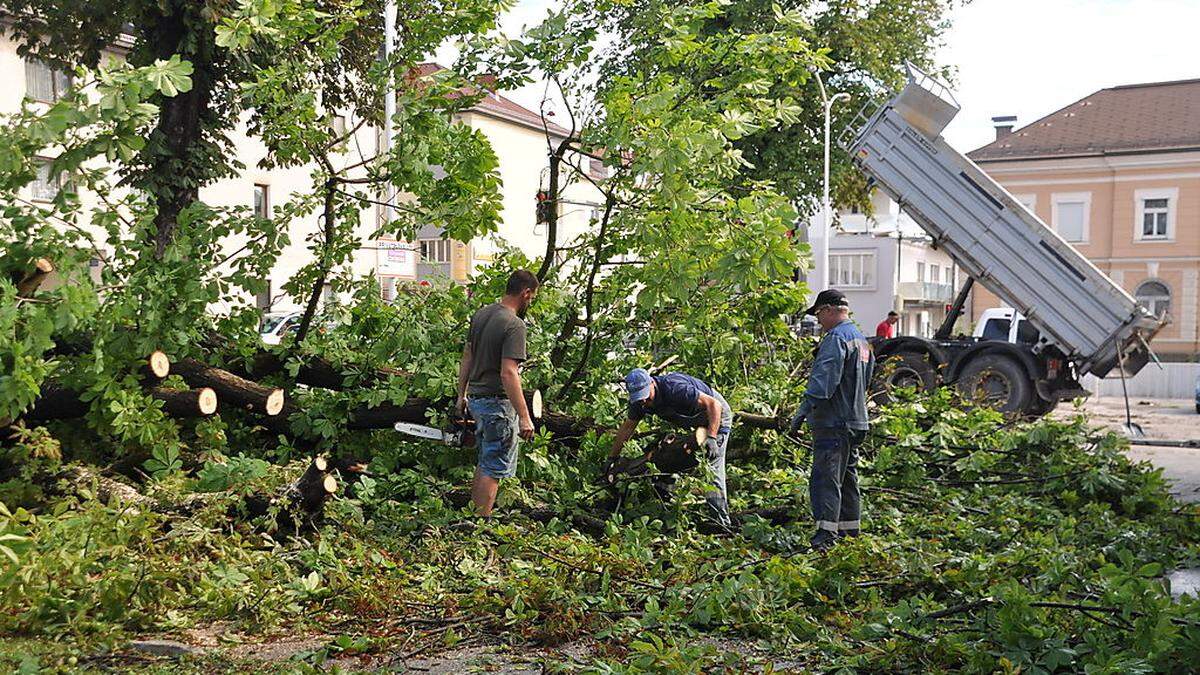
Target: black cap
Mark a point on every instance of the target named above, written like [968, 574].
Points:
[830, 296]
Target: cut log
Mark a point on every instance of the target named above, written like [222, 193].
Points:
[157, 367]
[300, 504]
[386, 414]
[232, 389]
[86, 478]
[29, 283]
[56, 402]
[313, 371]
[533, 401]
[189, 403]
[759, 421]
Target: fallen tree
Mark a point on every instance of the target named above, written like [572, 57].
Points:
[233, 390]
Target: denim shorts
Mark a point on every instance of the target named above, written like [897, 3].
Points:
[496, 434]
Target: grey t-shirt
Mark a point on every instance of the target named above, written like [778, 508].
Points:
[496, 333]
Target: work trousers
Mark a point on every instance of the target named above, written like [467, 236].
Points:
[833, 486]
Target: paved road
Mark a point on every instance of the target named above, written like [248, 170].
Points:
[1159, 418]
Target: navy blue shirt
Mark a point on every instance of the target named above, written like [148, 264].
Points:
[837, 386]
[677, 400]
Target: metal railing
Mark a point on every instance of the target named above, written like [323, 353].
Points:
[926, 291]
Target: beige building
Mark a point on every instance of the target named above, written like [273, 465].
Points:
[1117, 174]
[518, 137]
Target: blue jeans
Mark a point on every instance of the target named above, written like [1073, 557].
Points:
[496, 434]
[833, 486]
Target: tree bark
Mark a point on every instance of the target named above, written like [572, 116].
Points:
[326, 263]
[232, 389]
[157, 367]
[179, 159]
[88, 478]
[56, 402]
[313, 372]
[29, 283]
[184, 404]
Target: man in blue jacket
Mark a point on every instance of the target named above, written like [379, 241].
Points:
[835, 406]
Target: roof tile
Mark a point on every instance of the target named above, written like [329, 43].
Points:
[1141, 117]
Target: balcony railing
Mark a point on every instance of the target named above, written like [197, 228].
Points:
[926, 291]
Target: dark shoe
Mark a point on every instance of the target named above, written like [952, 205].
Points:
[849, 533]
[823, 540]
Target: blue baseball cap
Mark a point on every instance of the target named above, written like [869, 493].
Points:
[637, 384]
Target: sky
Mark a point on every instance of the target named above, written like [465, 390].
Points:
[1024, 57]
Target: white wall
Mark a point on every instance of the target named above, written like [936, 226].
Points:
[1173, 380]
[870, 305]
[521, 151]
[524, 169]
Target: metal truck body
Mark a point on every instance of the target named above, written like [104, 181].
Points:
[1081, 315]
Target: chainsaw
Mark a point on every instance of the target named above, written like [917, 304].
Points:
[461, 430]
[461, 427]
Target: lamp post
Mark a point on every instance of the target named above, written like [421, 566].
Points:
[818, 235]
[389, 95]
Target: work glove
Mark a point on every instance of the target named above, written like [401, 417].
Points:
[797, 422]
[712, 448]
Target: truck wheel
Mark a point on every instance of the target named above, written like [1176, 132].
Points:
[1039, 406]
[902, 369]
[998, 382]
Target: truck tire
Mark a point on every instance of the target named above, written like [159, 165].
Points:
[1039, 406]
[997, 381]
[902, 369]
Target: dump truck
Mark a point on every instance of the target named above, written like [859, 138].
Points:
[1079, 320]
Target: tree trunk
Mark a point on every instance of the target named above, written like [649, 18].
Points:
[157, 367]
[56, 402]
[232, 389]
[184, 404]
[313, 372]
[29, 283]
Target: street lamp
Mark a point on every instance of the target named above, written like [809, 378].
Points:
[818, 236]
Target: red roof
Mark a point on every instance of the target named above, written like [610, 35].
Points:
[496, 105]
[1152, 117]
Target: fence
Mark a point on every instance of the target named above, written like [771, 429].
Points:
[1173, 380]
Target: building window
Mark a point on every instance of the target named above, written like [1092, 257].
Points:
[949, 275]
[1070, 215]
[935, 274]
[435, 250]
[1154, 296]
[920, 271]
[262, 203]
[852, 270]
[1155, 214]
[262, 209]
[43, 83]
[46, 186]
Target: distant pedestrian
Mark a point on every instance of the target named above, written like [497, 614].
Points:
[835, 406]
[489, 384]
[887, 327]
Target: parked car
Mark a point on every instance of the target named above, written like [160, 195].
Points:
[275, 325]
[1198, 395]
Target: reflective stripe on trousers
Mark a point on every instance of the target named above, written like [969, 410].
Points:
[833, 486]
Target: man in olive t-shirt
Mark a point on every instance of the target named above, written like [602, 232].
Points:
[489, 384]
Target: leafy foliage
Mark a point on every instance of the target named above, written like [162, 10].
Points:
[990, 545]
